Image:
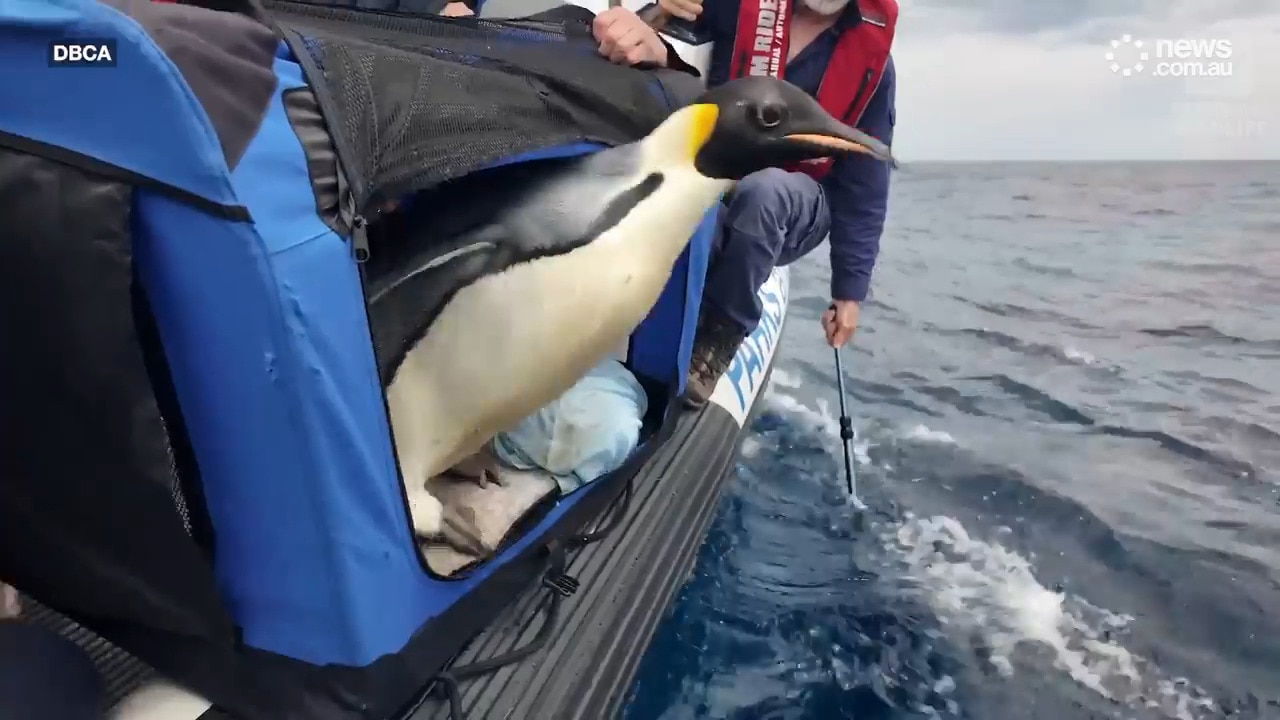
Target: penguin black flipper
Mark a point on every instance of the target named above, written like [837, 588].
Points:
[403, 305]
[474, 227]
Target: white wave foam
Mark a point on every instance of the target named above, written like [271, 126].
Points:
[985, 590]
[922, 433]
[1079, 356]
[982, 589]
[819, 420]
[781, 378]
[822, 421]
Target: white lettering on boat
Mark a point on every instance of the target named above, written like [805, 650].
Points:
[741, 383]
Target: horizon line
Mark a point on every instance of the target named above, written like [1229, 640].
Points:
[1083, 161]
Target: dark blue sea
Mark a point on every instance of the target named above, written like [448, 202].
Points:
[1067, 396]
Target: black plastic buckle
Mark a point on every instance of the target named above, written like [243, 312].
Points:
[555, 578]
[561, 584]
[846, 428]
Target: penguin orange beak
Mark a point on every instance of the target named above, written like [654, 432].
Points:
[844, 140]
[812, 128]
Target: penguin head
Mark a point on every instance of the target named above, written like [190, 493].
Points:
[764, 122]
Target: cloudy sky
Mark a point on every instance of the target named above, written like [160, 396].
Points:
[1029, 80]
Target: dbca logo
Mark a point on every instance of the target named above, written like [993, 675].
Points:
[1172, 58]
[81, 53]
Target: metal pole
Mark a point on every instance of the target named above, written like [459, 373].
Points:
[846, 434]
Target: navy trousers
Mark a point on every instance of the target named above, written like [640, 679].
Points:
[772, 218]
[44, 676]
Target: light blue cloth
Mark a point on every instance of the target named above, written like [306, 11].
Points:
[589, 431]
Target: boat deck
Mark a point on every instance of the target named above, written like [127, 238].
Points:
[628, 580]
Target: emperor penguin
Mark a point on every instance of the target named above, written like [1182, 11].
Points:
[535, 289]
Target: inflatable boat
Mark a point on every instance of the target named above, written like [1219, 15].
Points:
[201, 483]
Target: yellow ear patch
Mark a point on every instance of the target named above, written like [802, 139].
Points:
[702, 122]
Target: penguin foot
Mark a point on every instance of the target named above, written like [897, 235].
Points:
[434, 523]
[482, 469]
[458, 530]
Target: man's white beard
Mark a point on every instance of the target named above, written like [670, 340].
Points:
[825, 7]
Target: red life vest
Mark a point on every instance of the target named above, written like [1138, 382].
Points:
[762, 41]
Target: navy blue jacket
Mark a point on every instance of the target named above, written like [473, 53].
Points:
[857, 187]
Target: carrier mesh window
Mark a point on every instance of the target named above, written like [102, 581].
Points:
[179, 497]
[414, 101]
[121, 672]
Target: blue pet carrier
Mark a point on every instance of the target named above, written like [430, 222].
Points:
[186, 328]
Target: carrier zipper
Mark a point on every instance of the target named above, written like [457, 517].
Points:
[857, 97]
[351, 217]
[360, 238]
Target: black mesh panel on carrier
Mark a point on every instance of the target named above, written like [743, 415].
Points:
[414, 101]
[120, 671]
[104, 524]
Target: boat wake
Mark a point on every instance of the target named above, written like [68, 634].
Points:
[986, 597]
[989, 595]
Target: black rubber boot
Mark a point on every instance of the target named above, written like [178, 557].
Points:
[715, 344]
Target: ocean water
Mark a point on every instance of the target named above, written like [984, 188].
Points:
[1067, 396]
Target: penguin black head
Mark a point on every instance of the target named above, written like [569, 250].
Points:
[764, 122]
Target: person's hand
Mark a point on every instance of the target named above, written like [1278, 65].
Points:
[683, 9]
[10, 606]
[625, 38]
[840, 321]
[457, 9]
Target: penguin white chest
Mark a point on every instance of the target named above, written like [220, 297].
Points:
[509, 343]
[512, 342]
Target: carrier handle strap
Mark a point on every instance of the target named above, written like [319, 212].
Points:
[655, 17]
[559, 585]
